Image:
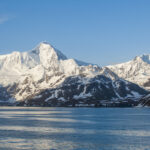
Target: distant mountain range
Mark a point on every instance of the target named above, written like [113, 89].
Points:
[136, 70]
[44, 76]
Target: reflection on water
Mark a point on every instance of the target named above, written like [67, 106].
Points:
[74, 128]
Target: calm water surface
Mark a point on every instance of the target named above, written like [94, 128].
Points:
[74, 128]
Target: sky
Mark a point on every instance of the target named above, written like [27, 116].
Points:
[102, 32]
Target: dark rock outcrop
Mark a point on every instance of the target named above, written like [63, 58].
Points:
[80, 91]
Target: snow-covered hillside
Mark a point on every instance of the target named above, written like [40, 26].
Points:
[83, 91]
[35, 62]
[136, 70]
[25, 75]
[41, 68]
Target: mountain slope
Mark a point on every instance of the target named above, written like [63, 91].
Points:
[83, 91]
[144, 101]
[136, 70]
[41, 68]
[46, 75]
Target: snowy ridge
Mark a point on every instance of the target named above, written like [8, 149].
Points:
[41, 68]
[93, 91]
[136, 70]
[44, 69]
[17, 64]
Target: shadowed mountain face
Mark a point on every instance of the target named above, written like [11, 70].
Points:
[145, 101]
[45, 76]
[80, 91]
[5, 96]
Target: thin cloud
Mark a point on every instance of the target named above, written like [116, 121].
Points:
[5, 18]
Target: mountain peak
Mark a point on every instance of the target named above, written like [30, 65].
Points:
[45, 42]
[144, 58]
[44, 45]
[47, 53]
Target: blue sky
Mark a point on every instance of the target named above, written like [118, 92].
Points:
[98, 31]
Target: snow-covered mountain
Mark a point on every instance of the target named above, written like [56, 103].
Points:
[43, 57]
[94, 91]
[46, 75]
[136, 70]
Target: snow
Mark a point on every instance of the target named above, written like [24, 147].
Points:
[40, 68]
[70, 67]
[62, 99]
[38, 96]
[45, 67]
[82, 95]
[136, 70]
[135, 94]
[49, 98]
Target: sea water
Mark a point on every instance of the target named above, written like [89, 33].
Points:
[74, 128]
